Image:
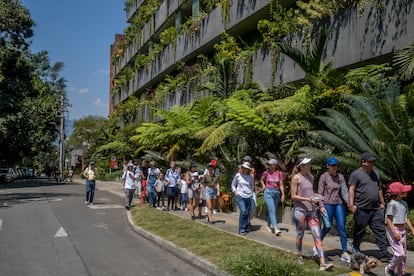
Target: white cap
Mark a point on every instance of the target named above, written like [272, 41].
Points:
[304, 162]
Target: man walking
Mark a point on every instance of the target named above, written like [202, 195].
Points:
[366, 202]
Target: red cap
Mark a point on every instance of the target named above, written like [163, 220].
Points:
[213, 163]
[397, 187]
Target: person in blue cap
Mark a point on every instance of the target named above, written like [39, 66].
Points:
[332, 186]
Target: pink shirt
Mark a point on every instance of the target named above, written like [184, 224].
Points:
[272, 179]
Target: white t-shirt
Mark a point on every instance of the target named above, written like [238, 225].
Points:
[129, 180]
[184, 186]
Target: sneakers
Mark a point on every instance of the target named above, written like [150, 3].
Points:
[325, 266]
[388, 272]
[386, 257]
[86, 202]
[300, 260]
[345, 257]
[270, 229]
[91, 203]
[214, 211]
[315, 252]
[277, 231]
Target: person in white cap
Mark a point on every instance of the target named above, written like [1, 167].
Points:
[305, 210]
[130, 185]
[274, 192]
[242, 187]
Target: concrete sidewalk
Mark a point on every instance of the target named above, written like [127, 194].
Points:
[229, 222]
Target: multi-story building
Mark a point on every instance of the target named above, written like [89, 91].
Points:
[356, 39]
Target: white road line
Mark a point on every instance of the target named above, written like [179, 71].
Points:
[1, 223]
[61, 233]
[105, 206]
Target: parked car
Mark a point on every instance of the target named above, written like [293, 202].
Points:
[5, 175]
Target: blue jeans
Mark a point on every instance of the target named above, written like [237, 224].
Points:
[151, 195]
[337, 211]
[244, 208]
[272, 198]
[90, 190]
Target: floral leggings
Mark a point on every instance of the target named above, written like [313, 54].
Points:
[311, 217]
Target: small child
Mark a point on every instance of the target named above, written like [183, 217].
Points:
[397, 217]
[159, 189]
[184, 193]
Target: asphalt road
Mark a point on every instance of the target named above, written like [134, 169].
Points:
[46, 229]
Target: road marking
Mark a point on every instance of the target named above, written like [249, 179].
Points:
[1, 223]
[61, 233]
[104, 206]
[41, 199]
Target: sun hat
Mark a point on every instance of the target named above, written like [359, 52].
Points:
[246, 165]
[195, 174]
[397, 187]
[193, 164]
[130, 165]
[272, 162]
[92, 163]
[331, 161]
[368, 157]
[304, 161]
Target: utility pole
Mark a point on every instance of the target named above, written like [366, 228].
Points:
[62, 136]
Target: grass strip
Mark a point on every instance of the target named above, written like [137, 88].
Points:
[234, 254]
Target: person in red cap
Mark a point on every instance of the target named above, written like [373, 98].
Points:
[397, 217]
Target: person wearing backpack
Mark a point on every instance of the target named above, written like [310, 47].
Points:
[90, 174]
[274, 192]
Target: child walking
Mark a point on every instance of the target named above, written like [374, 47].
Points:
[184, 193]
[397, 217]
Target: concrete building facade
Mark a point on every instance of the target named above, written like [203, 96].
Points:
[355, 39]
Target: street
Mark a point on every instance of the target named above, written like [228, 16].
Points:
[46, 229]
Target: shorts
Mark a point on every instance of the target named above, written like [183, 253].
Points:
[194, 193]
[210, 193]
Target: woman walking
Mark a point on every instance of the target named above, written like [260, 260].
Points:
[332, 186]
[210, 188]
[305, 211]
[274, 192]
[242, 187]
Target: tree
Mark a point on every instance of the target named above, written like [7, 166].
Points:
[30, 89]
[405, 60]
[380, 121]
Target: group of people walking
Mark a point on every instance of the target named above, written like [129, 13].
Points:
[362, 196]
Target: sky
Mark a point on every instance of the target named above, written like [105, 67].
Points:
[79, 33]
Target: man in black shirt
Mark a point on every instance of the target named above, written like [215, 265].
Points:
[366, 202]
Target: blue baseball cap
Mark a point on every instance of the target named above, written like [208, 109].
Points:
[332, 161]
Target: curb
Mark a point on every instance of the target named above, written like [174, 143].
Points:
[183, 254]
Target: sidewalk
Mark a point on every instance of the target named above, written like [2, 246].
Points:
[229, 223]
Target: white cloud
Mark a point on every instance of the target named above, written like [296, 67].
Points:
[103, 71]
[71, 89]
[98, 102]
[83, 90]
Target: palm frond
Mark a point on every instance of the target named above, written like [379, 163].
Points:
[405, 60]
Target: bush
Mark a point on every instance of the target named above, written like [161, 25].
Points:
[113, 176]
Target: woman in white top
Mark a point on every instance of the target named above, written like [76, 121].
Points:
[242, 187]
